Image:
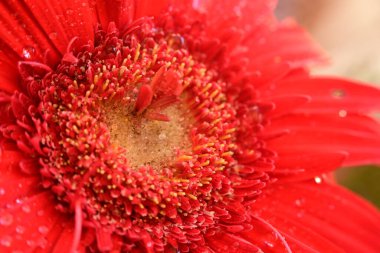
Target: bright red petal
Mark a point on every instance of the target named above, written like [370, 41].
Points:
[63, 20]
[306, 210]
[287, 43]
[27, 223]
[362, 148]
[329, 95]
[306, 165]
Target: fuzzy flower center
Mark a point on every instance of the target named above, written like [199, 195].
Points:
[149, 142]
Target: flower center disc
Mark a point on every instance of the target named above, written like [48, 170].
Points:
[149, 142]
[138, 135]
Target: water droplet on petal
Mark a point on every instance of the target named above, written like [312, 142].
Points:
[6, 241]
[299, 202]
[28, 52]
[30, 243]
[318, 180]
[6, 219]
[20, 230]
[2, 191]
[149, 245]
[300, 214]
[43, 229]
[19, 201]
[196, 4]
[176, 41]
[40, 213]
[269, 244]
[42, 243]
[25, 208]
[69, 12]
[338, 93]
[342, 113]
[53, 35]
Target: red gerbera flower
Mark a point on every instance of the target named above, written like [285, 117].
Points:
[175, 126]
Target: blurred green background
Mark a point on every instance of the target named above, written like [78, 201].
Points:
[348, 31]
[362, 180]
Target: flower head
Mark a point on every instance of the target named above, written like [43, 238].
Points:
[165, 126]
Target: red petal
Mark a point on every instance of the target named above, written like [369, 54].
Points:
[302, 165]
[266, 237]
[63, 20]
[329, 95]
[8, 80]
[144, 98]
[224, 242]
[286, 104]
[122, 12]
[327, 210]
[14, 185]
[26, 224]
[20, 33]
[362, 148]
[347, 122]
[64, 242]
[150, 7]
[288, 43]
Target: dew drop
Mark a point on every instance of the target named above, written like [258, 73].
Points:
[2, 192]
[20, 230]
[300, 214]
[69, 12]
[40, 213]
[342, 113]
[6, 241]
[43, 229]
[149, 245]
[53, 35]
[19, 201]
[30, 243]
[299, 202]
[318, 180]
[196, 4]
[42, 243]
[28, 52]
[338, 93]
[269, 244]
[6, 219]
[25, 209]
[176, 41]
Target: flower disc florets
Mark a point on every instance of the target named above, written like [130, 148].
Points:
[140, 138]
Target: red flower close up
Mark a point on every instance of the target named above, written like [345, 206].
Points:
[176, 126]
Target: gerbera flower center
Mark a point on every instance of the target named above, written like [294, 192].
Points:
[136, 133]
[149, 142]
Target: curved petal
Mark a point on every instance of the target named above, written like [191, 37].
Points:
[26, 224]
[41, 26]
[329, 95]
[306, 165]
[362, 148]
[306, 212]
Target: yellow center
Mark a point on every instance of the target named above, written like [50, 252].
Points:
[150, 142]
